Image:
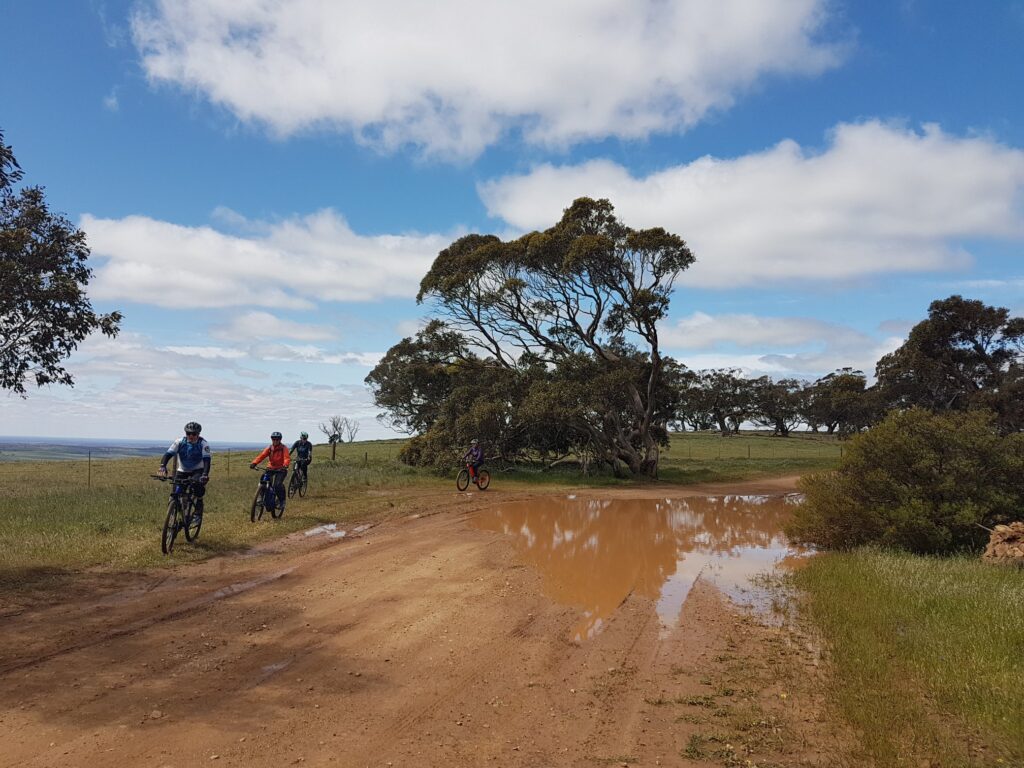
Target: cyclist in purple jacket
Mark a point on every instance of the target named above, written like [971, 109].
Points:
[474, 458]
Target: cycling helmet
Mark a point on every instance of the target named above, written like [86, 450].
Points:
[303, 434]
[275, 435]
[194, 426]
[474, 441]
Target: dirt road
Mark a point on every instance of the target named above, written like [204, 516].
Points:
[421, 641]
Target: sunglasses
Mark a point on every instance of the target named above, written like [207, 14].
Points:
[192, 434]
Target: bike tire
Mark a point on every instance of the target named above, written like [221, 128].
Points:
[293, 485]
[257, 506]
[304, 484]
[170, 531]
[278, 511]
[193, 522]
[462, 481]
[483, 479]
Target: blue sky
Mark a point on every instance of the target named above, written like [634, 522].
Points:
[263, 184]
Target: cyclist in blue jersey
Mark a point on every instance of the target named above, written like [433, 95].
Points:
[193, 454]
[303, 450]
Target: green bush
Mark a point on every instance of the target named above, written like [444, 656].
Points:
[918, 481]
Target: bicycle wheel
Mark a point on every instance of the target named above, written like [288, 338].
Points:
[293, 485]
[171, 526]
[462, 481]
[483, 479]
[278, 509]
[257, 505]
[193, 522]
[304, 484]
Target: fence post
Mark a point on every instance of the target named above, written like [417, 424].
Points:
[366, 458]
[748, 450]
[229, 462]
[89, 480]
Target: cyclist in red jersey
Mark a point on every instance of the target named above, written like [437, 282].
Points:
[280, 459]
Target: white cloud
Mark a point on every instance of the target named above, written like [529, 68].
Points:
[129, 388]
[206, 353]
[878, 199]
[110, 101]
[452, 76]
[787, 346]
[308, 353]
[289, 264]
[703, 331]
[263, 325]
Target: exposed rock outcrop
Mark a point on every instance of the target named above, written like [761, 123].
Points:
[1006, 545]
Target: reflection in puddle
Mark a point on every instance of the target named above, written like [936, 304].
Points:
[594, 554]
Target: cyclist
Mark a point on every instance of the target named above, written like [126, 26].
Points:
[278, 464]
[303, 450]
[474, 458]
[194, 456]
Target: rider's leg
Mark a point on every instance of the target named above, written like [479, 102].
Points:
[200, 491]
[279, 484]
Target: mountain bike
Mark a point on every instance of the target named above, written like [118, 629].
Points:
[299, 481]
[482, 479]
[180, 511]
[266, 497]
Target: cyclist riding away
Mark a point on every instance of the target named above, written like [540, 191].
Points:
[303, 450]
[278, 464]
[194, 456]
[474, 458]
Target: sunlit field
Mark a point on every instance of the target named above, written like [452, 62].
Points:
[926, 653]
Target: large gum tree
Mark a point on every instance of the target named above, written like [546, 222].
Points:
[587, 286]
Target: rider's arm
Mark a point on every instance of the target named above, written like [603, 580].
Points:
[168, 454]
[263, 454]
[294, 446]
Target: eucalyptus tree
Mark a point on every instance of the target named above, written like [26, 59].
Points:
[44, 311]
[964, 355]
[588, 286]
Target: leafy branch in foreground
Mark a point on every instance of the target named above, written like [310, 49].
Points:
[44, 312]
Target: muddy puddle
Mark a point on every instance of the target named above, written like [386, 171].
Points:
[593, 554]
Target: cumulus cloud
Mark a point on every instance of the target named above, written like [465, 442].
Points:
[153, 390]
[289, 264]
[264, 325]
[878, 199]
[452, 76]
[703, 331]
[787, 346]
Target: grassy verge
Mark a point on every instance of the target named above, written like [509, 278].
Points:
[65, 516]
[928, 654]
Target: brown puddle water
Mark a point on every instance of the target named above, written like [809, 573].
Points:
[594, 553]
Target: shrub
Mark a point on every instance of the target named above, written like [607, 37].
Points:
[918, 481]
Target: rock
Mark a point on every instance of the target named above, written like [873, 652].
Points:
[156, 714]
[1006, 544]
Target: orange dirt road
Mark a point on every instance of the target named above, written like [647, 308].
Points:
[421, 642]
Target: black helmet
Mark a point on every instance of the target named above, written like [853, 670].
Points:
[274, 435]
[194, 426]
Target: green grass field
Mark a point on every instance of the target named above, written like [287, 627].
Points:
[928, 654]
[65, 516]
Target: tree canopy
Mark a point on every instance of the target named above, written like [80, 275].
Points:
[44, 312]
[964, 355]
[584, 296]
